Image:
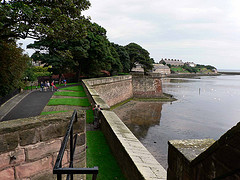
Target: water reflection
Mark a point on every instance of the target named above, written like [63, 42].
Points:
[206, 108]
[140, 116]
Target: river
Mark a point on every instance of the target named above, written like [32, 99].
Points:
[206, 108]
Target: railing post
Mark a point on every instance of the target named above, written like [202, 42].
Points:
[71, 150]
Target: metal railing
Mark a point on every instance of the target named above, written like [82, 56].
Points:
[58, 169]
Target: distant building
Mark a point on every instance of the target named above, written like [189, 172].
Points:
[191, 64]
[172, 62]
[137, 68]
[160, 68]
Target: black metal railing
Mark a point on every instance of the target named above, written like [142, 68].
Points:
[70, 171]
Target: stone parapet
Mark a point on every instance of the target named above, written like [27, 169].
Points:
[134, 159]
[29, 146]
[205, 158]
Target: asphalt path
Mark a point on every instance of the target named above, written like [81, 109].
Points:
[32, 105]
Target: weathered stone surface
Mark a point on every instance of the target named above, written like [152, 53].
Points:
[42, 149]
[30, 136]
[131, 154]
[10, 158]
[8, 142]
[193, 147]
[33, 168]
[7, 174]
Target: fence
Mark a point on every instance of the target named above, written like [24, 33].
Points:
[70, 171]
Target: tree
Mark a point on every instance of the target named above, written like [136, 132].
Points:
[13, 66]
[139, 55]
[38, 19]
[123, 56]
[86, 55]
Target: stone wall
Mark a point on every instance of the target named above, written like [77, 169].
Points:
[113, 89]
[147, 86]
[134, 159]
[29, 147]
[206, 159]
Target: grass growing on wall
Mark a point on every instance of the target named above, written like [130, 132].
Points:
[74, 88]
[70, 93]
[69, 102]
[99, 154]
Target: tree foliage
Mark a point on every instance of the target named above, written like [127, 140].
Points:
[13, 65]
[38, 19]
[139, 55]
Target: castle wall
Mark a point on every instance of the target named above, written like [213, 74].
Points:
[29, 146]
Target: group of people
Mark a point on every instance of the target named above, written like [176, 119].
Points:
[45, 86]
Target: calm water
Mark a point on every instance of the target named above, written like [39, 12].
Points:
[206, 108]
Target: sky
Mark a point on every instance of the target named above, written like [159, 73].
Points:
[201, 31]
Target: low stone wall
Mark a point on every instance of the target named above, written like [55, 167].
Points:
[29, 147]
[205, 159]
[134, 159]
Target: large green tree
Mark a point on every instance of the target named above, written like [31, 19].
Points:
[13, 66]
[38, 19]
[139, 55]
[123, 56]
[86, 55]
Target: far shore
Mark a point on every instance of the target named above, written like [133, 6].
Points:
[188, 75]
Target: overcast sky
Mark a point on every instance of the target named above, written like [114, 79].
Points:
[202, 31]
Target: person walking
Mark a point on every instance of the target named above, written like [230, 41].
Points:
[42, 86]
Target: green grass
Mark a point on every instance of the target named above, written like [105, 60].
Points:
[70, 93]
[99, 154]
[89, 116]
[69, 102]
[51, 112]
[74, 88]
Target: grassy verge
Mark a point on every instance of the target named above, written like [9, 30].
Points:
[70, 93]
[51, 112]
[89, 116]
[74, 88]
[99, 154]
[69, 102]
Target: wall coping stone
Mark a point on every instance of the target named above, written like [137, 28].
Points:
[147, 165]
[33, 122]
[191, 148]
[107, 80]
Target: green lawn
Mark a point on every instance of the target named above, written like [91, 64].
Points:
[69, 102]
[99, 154]
[51, 112]
[74, 88]
[89, 116]
[70, 93]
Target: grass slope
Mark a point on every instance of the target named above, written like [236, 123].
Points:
[69, 102]
[99, 154]
[89, 116]
[74, 88]
[51, 112]
[70, 93]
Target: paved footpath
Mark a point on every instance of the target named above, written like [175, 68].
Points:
[26, 104]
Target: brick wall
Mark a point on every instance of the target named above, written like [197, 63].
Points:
[29, 147]
[206, 159]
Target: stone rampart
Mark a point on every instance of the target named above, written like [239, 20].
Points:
[146, 86]
[134, 159]
[205, 159]
[29, 146]
[112, 89]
